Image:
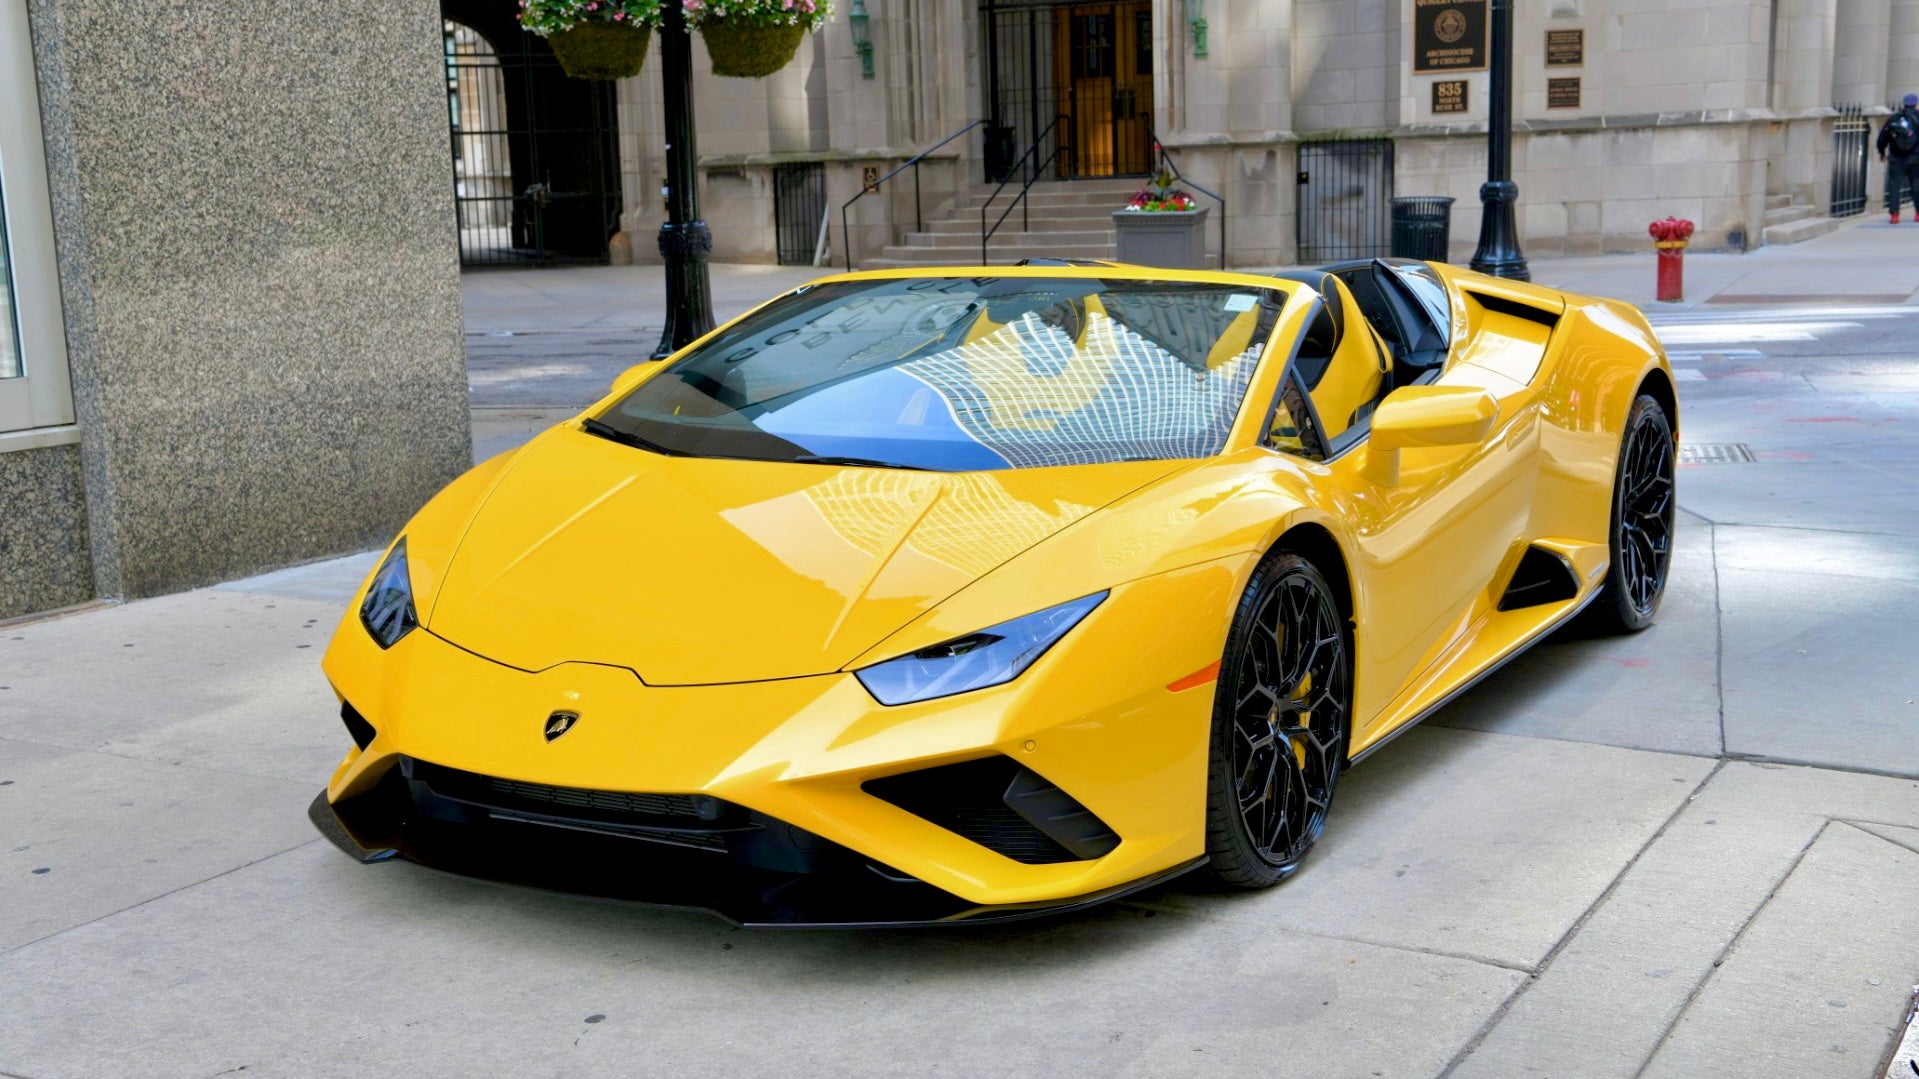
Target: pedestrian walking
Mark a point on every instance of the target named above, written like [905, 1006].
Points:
[1899, 149]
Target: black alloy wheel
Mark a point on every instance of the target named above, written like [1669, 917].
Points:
[1644, 508]
[1280, 720]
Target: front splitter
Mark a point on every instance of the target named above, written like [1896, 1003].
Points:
[600, 866]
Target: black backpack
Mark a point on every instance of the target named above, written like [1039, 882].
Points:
[1905, 133]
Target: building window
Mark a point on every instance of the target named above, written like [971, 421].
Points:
[9, 328]
[36, 405]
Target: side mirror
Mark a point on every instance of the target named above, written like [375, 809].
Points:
[632, 377]
[1416, 417]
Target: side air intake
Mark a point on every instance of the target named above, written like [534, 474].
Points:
[1003, 806]
[1542, 577]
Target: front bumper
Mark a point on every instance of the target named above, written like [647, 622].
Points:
[1096, 717]
[821, 885]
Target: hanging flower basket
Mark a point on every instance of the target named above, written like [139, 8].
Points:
[751, 39]
[594, 39]
[602, 50]
[746, 51]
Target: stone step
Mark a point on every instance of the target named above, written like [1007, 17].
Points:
[1778, 202]
[1797, 231]
[1109, 200]
[999, 254]
[968, 224]
[969, 241]
[1125, 185]
[1786, 215]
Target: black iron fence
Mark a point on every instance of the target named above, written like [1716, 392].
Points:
[535, 155]
[799, 211]
[1851, 160]
[1345, 200]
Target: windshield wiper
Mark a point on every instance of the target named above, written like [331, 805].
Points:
[854, 462]
[628, 438]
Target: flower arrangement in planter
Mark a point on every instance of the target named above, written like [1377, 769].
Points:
[594, 39]
[751, 39]
[1161, 226]
[1159, 198]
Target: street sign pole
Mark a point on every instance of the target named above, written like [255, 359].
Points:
[685, 241]
[1498, 252]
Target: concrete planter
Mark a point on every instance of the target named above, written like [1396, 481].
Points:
[1173, 239]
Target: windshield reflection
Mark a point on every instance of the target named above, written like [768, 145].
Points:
[966, 374]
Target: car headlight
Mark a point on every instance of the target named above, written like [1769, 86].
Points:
[387, 612]
[989, 657]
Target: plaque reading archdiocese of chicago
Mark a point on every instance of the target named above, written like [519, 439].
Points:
[1449, 35]
[1565, 48]
[1449, 95]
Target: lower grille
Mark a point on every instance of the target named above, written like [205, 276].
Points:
[686, 820]
[646, 805]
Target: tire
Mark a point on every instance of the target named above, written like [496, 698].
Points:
[1281, 716]
[1639, 538]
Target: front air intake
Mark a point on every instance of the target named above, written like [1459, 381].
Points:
[1003, 806]
[357, 726]
[1542, 577]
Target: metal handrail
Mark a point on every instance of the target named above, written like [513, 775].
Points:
[1168, 166]
[1020, 201]
[919, 218]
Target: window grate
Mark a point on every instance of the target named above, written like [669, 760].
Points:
[1716, 453]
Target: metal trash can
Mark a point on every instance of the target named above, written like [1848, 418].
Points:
[1422, 227]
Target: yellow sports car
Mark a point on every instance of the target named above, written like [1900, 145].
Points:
[981, 593]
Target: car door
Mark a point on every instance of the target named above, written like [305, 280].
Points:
[1430, 543]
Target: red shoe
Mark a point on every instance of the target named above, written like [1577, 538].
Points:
[1895, 216]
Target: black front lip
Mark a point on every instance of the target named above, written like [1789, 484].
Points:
[377, 827]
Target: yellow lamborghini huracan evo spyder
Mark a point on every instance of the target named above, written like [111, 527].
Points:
[981, 593]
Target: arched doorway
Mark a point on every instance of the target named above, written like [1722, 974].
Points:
[536, 165]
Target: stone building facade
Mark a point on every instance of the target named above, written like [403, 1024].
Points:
[233, 331]
[1715, 110]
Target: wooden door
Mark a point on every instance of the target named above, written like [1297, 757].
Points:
[1105, 64]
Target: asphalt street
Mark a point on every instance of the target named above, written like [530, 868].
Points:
[1690, 852]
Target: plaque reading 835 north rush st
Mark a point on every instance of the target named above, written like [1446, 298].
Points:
[1449, 35]
[1565, 48]
[1449, 95]
[1562, 93]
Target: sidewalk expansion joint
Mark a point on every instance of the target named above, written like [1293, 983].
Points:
[1860, 826]
[1732, 945]
[156, 898]
[1499, 1014]
[1764, 761]
[1718, 634]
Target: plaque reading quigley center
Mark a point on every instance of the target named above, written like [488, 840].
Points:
[1449, 35]
[1565, 48]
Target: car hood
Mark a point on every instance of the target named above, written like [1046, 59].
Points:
[694, 571]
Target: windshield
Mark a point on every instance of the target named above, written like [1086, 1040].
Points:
[964, 374]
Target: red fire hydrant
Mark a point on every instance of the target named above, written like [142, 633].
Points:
[1670, 237]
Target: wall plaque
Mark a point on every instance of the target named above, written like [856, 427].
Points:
[1565, 48]
[1562, 93]
[1449, 95]
[1449, 35]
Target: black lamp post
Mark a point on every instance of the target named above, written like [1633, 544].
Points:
[1499, 252]
[685, 240]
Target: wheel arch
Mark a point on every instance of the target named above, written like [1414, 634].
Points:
[1316, 544]
[1659, 385]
